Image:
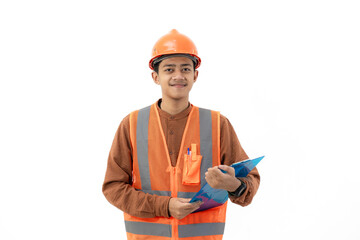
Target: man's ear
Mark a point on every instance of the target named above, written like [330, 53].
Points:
[196, 74]
[155, 77]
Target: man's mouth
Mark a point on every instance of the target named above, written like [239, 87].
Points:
[178, 85]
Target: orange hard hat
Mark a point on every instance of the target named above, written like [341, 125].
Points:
[174, 43]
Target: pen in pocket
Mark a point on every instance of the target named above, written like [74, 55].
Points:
[189, 154]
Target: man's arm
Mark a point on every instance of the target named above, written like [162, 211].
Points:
[231, 152]
[118, 178]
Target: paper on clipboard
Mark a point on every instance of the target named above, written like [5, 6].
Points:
[215, 197]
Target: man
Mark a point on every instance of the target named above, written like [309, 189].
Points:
[162, 155]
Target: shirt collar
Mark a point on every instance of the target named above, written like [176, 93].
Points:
[180, 115]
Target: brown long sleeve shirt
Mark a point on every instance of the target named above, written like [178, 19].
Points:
[118, 178]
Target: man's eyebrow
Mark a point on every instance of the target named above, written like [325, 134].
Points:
[186, 64]
[174, 65]
[169, 65]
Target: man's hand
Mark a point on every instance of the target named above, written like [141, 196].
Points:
[180, 207]
[219, 180]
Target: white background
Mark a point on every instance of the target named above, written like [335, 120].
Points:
[283, 72]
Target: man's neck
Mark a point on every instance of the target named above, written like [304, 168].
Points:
[173, 106]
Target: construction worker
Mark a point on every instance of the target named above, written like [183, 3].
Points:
[162, 155]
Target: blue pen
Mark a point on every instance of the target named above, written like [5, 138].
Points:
[189, 154]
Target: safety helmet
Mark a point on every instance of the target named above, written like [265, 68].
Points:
[174, 43]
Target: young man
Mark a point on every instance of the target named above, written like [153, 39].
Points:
[162, 155]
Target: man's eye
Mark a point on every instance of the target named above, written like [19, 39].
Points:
[168, 70]
[186, 69]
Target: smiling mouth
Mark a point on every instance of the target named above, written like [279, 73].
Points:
[178, 85]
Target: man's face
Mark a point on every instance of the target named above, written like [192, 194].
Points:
[176, 77]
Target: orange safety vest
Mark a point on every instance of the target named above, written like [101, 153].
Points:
[153, 174]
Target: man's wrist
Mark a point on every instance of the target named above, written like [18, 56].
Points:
[235, 185]
[240, 190]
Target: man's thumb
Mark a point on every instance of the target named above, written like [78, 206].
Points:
[184, 200]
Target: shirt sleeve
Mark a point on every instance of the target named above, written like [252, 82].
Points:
[230, 152]
[117, 186]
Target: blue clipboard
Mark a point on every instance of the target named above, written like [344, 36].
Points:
[212, 197]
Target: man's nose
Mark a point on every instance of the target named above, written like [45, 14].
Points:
[178, 75]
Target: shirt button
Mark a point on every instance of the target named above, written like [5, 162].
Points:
[170, 153]
[171, 132]
[172, 117]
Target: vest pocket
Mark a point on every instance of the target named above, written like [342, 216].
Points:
[191, 169]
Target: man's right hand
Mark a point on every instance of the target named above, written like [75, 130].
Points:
[180, 207]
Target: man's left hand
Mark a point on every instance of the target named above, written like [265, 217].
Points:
[219, 180]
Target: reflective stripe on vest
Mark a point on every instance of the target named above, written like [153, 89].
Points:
[142, 130]
[205, 142]
[168, 193]
[145, 228]
[201, 229]
[152, 173]
[164, 230]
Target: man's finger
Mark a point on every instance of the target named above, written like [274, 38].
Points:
[227, 169]
[196, 205]
[213, 170]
